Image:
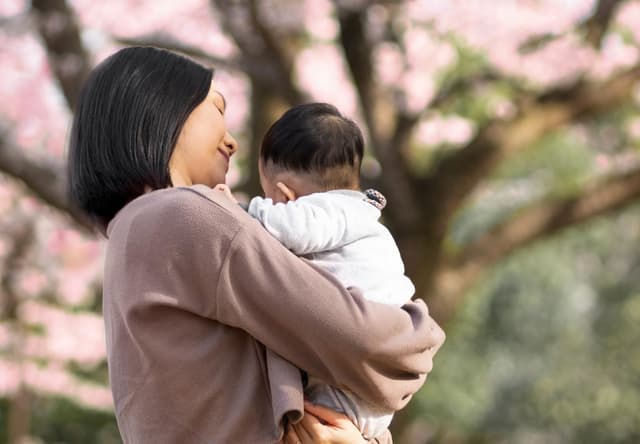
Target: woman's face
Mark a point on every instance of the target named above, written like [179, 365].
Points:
[204, 147]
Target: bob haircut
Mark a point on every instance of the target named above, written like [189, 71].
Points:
[130, 113]
[314, 138]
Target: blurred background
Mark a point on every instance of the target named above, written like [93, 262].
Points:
[504, 134]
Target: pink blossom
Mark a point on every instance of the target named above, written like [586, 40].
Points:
[633, 128]
[318, 20]
[505, 20]
[619, 163]
[428, 132]
[38, 113]
[32, 282]
[53, 379]
[614, 55]
[436, 130]
[629, 18]
[425, 52]
[10, 378]
[559, 61]
[172, 18]
[499, 30]
[504, 109]
[67, 336]
[321, 70]
[389, 63]
[458, 130]
[419, 90]
[11, 7]
[602, 162]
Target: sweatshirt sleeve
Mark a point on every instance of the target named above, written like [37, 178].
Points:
[306, 225]
[377, 351]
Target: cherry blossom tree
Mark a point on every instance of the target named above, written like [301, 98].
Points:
[448, 93]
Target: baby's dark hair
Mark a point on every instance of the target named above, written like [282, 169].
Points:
[316, 139]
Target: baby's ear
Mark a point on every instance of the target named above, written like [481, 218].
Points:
[287, 192]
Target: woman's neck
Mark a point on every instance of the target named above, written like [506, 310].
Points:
[178, 180]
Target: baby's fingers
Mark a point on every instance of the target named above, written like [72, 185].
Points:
[325, 414]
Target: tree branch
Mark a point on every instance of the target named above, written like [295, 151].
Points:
[547, 218]
[258, 44]
[161, 40]
[281, 60]
[68, 59]
[463, 85]
[46, 179]
[538, 222]
[594, 28]
[389, 131]
[357, 51]
[456, 176]
[22, 234]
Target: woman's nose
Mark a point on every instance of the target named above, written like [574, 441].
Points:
[230, 143]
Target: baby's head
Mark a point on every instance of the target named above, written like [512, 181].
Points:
[311, 148]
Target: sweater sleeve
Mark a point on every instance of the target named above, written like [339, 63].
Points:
[380, 352]
[306, 225]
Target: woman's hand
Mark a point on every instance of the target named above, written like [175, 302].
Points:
[321, 425]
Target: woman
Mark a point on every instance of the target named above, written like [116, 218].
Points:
[206, 314]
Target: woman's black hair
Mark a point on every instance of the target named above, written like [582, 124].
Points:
[316, 138]
[130, 114]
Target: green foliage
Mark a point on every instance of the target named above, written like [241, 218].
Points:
[562, 158]
[546, 349]
[557, 166]
[4, 420]
[482, 89]
[469, 62]
[57, 420]
[98, 374]
[61, 421]
[473, 104]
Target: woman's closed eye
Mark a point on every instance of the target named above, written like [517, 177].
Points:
[218, 106]
[220, 102]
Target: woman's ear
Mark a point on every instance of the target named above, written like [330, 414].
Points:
[287, 192]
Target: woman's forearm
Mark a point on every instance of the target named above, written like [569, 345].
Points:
[380, 352]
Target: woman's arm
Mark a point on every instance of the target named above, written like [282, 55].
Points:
[380, 352]
[221, 264]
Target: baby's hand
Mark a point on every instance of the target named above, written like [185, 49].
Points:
[226, 190]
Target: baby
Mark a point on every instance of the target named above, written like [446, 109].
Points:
[310, 173]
